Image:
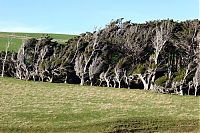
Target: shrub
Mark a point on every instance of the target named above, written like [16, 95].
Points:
[161, 81]
[179, 75]
[115, 57]
[141, 68]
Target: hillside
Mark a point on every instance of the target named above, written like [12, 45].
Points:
[18, 37]
[28, 106]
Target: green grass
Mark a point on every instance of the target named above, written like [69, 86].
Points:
[27, 106]
[18, 37]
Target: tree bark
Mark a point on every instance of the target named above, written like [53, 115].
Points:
[6, 54]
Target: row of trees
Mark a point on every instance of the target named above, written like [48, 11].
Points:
[162, 56]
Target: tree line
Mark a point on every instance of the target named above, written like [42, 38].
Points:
[161, 56]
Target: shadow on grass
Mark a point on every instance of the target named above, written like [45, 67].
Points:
[139, 124]
[148, 125]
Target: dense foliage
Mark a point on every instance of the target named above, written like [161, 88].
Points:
[162, 56]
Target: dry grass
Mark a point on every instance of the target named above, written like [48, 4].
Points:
[44, 107]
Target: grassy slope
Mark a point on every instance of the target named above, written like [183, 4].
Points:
[18, 37]
[27, 106]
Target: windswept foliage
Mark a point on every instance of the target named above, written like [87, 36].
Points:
[162, 56]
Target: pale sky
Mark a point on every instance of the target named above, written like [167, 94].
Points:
[77, 16]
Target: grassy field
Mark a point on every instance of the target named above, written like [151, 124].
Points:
[18, 37]
[27, 106]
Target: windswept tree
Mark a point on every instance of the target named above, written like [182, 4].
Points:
[9, 41]
[160, 55]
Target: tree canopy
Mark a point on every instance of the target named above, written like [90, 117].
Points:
[162, 56]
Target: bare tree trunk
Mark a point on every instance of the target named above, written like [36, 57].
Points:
[82, 80]
[145, 83]
[127, 82]
[190, 86]
[100, 82]
[6, 54]
[195, 86]
[91, 83]
[196, 79]
[189, 91]
[195, 93]
[77, 45]
[88, 61]
[114, 83]
[36, 72]
[117, 77]
[107, 82]
[106, 78]
[181, 87]
[162, 36]
[51, 79]
[119, 84]
[65, 79]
